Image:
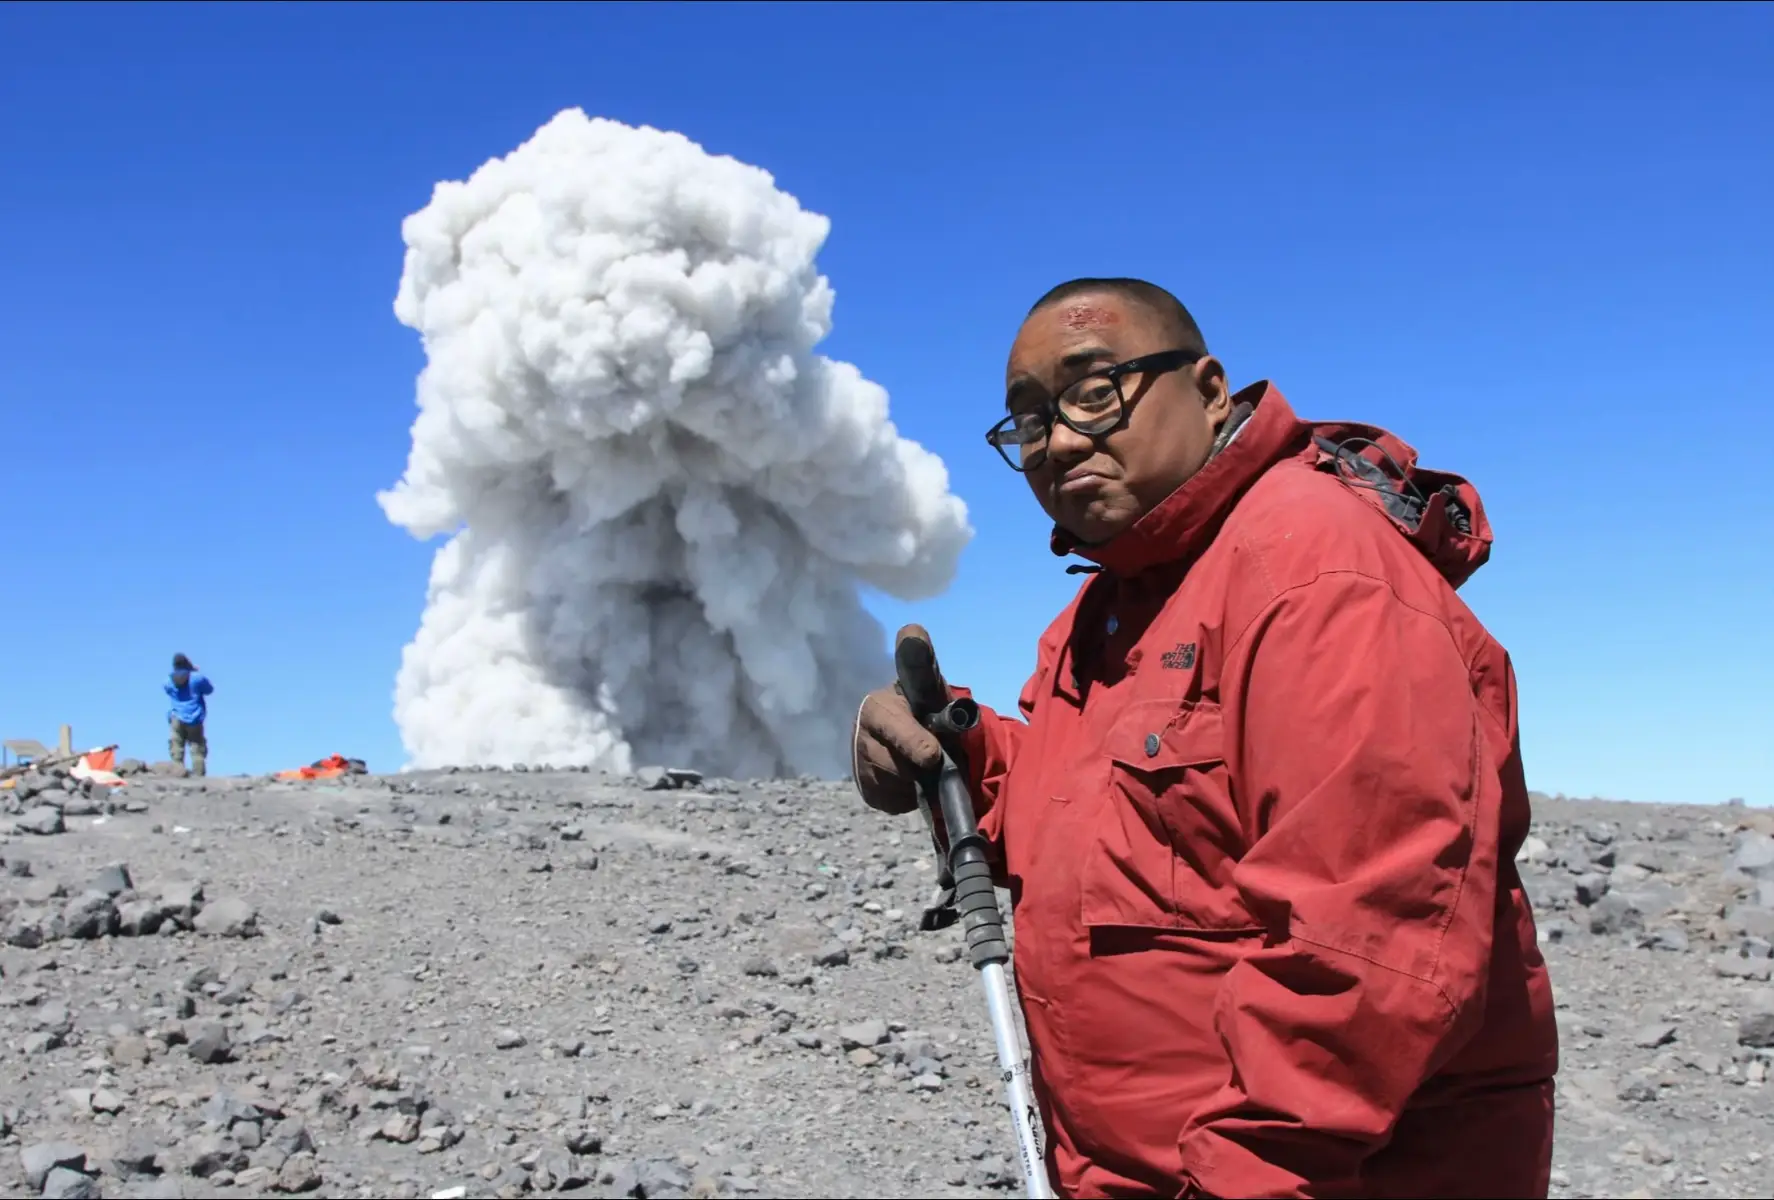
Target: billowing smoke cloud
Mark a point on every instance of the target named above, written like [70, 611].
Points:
[661, 501]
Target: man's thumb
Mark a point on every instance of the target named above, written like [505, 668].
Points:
[918, 661]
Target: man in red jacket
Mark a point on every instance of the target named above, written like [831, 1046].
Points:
[1259, 811]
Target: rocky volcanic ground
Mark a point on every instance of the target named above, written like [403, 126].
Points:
[500, 983]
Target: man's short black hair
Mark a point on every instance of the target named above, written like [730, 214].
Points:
[180, 663]
[1179, 326]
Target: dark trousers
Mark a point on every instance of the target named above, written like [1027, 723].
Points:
[188, 735]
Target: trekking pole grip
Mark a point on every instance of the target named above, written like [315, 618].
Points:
[976, 899]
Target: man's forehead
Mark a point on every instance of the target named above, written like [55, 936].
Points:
[1069, 332]
[1089, 313]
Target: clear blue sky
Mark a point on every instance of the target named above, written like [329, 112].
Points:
[1534, 241]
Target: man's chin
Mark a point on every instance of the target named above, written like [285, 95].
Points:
[1093, 527]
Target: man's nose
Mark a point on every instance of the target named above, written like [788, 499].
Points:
[1067, 445]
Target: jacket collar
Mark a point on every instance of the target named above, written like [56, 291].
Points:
[1181, 526]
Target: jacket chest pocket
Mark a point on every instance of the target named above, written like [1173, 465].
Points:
[1164, 842]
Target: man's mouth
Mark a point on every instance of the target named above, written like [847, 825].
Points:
[1075, 481]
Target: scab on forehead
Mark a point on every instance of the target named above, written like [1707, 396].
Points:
[1086, 316]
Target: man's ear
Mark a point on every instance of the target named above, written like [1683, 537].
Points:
[1216, 393]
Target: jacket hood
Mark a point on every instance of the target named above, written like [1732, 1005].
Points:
[1439, 512]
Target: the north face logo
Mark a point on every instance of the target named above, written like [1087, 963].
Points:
[1180, 659]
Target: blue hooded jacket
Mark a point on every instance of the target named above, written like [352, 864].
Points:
[187, 689]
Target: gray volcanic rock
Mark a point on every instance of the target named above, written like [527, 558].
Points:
[489, 983]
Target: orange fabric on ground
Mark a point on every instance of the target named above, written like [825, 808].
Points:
[330, 767]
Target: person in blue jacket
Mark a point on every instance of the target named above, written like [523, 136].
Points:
[188, 687]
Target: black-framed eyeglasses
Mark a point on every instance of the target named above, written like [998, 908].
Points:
[1092, 405]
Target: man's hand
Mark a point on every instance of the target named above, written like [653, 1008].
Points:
[889, 749]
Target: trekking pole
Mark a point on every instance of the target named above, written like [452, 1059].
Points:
[965, 876]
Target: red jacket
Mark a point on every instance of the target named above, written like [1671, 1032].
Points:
[1259, 826]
